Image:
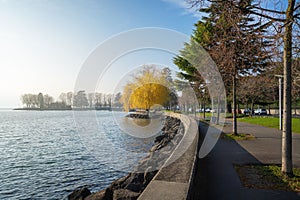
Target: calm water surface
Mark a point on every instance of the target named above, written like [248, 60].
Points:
[46, 155]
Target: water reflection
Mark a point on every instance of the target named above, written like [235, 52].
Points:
[141, 122]
[141, 128]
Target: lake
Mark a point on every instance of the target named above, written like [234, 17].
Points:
[48, 154]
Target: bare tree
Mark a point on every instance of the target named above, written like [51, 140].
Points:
[80, 100]
[91, 99]
[98, 99]
[117, 100]
[48, 100]
[25, 98]
[63, 97]
[41, 100]
[69, 98]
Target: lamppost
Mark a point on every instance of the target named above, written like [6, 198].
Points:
[280, 77]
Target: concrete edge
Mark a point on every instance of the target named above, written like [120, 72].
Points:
[165, 189]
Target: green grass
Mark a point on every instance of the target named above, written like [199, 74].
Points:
[268, 177]
[239, 136]
[208, 115]
[271, 122]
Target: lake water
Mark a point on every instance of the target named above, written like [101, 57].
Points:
[46, 155]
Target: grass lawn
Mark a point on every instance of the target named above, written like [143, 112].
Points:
[272, 122]
[268, 177]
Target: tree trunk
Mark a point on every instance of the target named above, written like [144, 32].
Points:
[251, 110]
[229, 107]
[218, 111]
[287, 164]
[234, 122]
[204, 110]
[295, 108]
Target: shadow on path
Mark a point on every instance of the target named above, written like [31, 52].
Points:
[216, 178]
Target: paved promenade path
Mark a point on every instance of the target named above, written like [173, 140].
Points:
[216, 177]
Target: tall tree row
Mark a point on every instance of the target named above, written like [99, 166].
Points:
[78, 100]
[235, 42]
[284, 19]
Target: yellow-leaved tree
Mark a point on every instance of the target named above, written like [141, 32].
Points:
[150, 86]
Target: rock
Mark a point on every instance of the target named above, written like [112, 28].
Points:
[79, 194]
[138, 116]
[168, 148]
[134, 182]
[144, 161]
[164, 142]
[97, 196]
[159, 138]
[148, 175]
[108, 193]
[154, 148]
[135, 187]
[119, 183]
[123, 194]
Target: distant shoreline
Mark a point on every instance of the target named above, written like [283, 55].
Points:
[39, 109]
[61, 109]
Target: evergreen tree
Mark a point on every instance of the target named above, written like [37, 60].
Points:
[235, 42]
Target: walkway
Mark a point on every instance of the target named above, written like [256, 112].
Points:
[216, 177]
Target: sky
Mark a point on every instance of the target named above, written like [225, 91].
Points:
[44, 43]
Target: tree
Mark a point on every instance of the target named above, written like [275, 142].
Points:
[25, 98]
[91, 99]
[147, 95]
[63, 97]
[125, 99]
[80, 100]
[287, 18]
[69, 98]
[41, 100]
[48, 100]
[233, 40]
[117, 100]
[258, 89]
[109, 98]
[34, 100]
[238, 47]
[98, 99]
[296, 82]
[186, 100]
[104, 100]
[172, 99]
[149, 87]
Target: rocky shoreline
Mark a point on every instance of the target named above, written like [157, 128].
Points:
[132, 185]
[138, 116]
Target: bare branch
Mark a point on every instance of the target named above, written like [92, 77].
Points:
[269, 10]
[266, 16]
[200, 3]
[297, 22]
[261, 14]
[297, 16]
[297, 7]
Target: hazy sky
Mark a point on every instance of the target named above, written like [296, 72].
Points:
[43, 43]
